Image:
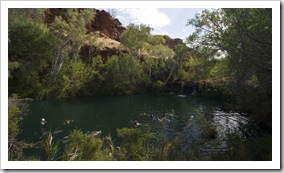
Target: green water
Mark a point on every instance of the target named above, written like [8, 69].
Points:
[109, 113]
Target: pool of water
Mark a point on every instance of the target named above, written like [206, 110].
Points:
[171, 114]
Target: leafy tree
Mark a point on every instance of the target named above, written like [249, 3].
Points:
[34, 14]
[156, 40]
[182, 56]
[70, 82]
[220, 69]
[149, 66]
[31, 51]
[122, 74]
[73, 32]
[244, 36]
[94, 84]
[134, 38]
[166, 63]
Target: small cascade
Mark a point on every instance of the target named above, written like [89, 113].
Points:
[182, 88]
[195, 89]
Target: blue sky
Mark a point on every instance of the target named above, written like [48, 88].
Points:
[165, 21]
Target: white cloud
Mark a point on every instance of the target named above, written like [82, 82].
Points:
[148, 16]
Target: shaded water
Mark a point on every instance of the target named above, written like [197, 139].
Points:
[109, 113]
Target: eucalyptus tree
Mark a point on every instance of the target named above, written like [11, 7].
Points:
[134, 38]
[244, 37]
[73, 34]
[182, 57]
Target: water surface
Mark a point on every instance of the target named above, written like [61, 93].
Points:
[109, 113]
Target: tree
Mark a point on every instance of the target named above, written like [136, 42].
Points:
[134, 38]
[122, 74]
[182, 56]
[165, 57]
[244, 37]
[31, 51]
[34, 14]
[71, 31]
[72, 81]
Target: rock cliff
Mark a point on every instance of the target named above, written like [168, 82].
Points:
[109, 31]
[102, 23]
[106, 25]
[171, 43]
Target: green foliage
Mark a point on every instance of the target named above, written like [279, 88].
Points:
[14, 118]
[207, 128]
[30, 55]
[156, 40]
[182, 56]
[230, 50]
[134, 38]
[35, 14]
[70, 82]
[16, 112]
[220, 69]
[244, 38]
[74, 30]
[84, 147]
[220, 89]
[135, 141]
[122, 74]
[50, 147]
[162, 52]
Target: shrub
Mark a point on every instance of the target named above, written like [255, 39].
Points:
[84, 147]
[136, 142]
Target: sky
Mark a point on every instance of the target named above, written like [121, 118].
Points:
[164, 21]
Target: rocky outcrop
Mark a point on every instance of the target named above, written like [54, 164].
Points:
[103, 23]
[106, 47]
[171, 43]
[108, 30]
[51, 13]
[106, 25]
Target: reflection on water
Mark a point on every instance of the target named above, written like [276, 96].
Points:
[173, 116]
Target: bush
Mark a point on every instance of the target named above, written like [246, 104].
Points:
[84, 147]
[136, 142]
[16, 111]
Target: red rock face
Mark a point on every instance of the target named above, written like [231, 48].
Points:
[51, 13]
[106, 25]
[103, 22]
[171, 43]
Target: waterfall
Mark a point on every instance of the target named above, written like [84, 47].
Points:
[182, 85]
[195, 89]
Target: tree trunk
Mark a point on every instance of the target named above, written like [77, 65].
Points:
[58, 62]
[168, 77]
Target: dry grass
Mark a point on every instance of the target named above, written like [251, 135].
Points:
[103, 43]
[108, 43]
